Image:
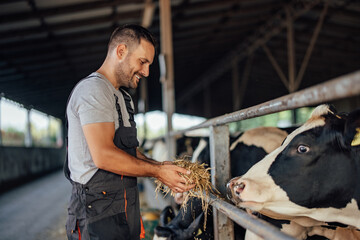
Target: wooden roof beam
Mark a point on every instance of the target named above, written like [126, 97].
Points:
[70, 24]
[62, 10]
[266, 32]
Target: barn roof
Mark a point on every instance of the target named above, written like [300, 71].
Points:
[46, 47]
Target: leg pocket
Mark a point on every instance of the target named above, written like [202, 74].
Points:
[72, 230]
[102, 204]
[110, 228]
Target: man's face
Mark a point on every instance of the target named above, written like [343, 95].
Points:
[136, 65]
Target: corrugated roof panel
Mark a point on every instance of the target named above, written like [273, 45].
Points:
[59, 3]
[83, 28]
[19, 25]
[130, 7]
[23, 38]
[79, 15]
[14, 7]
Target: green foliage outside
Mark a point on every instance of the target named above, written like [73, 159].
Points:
[149, 133]
[281, 119]
[46, 137]
[41, 137]
[12, 137]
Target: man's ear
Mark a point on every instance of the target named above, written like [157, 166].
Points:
[352, 129]
[121, 51]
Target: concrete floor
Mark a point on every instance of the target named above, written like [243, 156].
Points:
[37, 210]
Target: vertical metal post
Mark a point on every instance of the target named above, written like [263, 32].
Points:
[293, 117]
[48, 137]
[143, 106]
[28, 136]
[0, 123]
[220, 174]
[167, 80]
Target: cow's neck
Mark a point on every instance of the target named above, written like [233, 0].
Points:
[350, 215]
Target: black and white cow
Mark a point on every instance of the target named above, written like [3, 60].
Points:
[312, 179]
[158, 150]
[185, 225]
[245, 150]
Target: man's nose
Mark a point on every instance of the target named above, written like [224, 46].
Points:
[145, 71]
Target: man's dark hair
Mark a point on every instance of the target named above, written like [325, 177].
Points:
[130, 34]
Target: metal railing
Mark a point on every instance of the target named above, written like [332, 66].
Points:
[341, 87]
[338, 88]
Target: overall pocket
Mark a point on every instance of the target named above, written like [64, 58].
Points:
[99, 203]
[107, 218]
[129, 141]
[110, 228]
[72, 229]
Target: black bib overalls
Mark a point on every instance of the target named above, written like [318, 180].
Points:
[107, 207]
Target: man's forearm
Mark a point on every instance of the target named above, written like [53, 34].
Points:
[145, 158]
[115, 160]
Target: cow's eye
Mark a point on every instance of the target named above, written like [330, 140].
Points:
[303, 149]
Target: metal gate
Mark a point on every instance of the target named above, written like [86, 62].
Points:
[225, 213]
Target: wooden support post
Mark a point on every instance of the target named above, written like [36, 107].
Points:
[235, 84]
[310, 47]
[245, 79]
[273, 27]
[207, 101]
[168, 79]
[291, 49]
[276, 67]
[239, 89]
[148, 13]
[220, 175]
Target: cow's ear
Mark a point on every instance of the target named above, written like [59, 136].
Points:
[352, 129]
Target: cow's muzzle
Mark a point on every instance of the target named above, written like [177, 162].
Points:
[234, 188]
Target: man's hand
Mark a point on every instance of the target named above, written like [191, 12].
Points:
[169, 175]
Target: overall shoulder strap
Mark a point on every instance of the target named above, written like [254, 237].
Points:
[118, 109]
[129, 108]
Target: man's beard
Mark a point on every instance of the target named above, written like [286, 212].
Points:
[125, 76]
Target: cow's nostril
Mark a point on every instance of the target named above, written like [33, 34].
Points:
[229, 184]
[239, 188]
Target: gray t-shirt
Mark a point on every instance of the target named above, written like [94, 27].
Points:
[92, 101]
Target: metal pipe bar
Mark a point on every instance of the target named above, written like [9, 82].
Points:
[341, 87]
[344, 86]
[250, 222]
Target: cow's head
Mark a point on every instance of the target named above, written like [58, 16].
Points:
[314, 173]
[185, 225]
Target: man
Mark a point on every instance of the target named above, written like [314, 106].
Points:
[103, 160]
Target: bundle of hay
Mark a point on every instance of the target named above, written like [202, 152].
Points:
[200, 176]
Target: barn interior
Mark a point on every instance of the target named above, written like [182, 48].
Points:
[227, 54]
